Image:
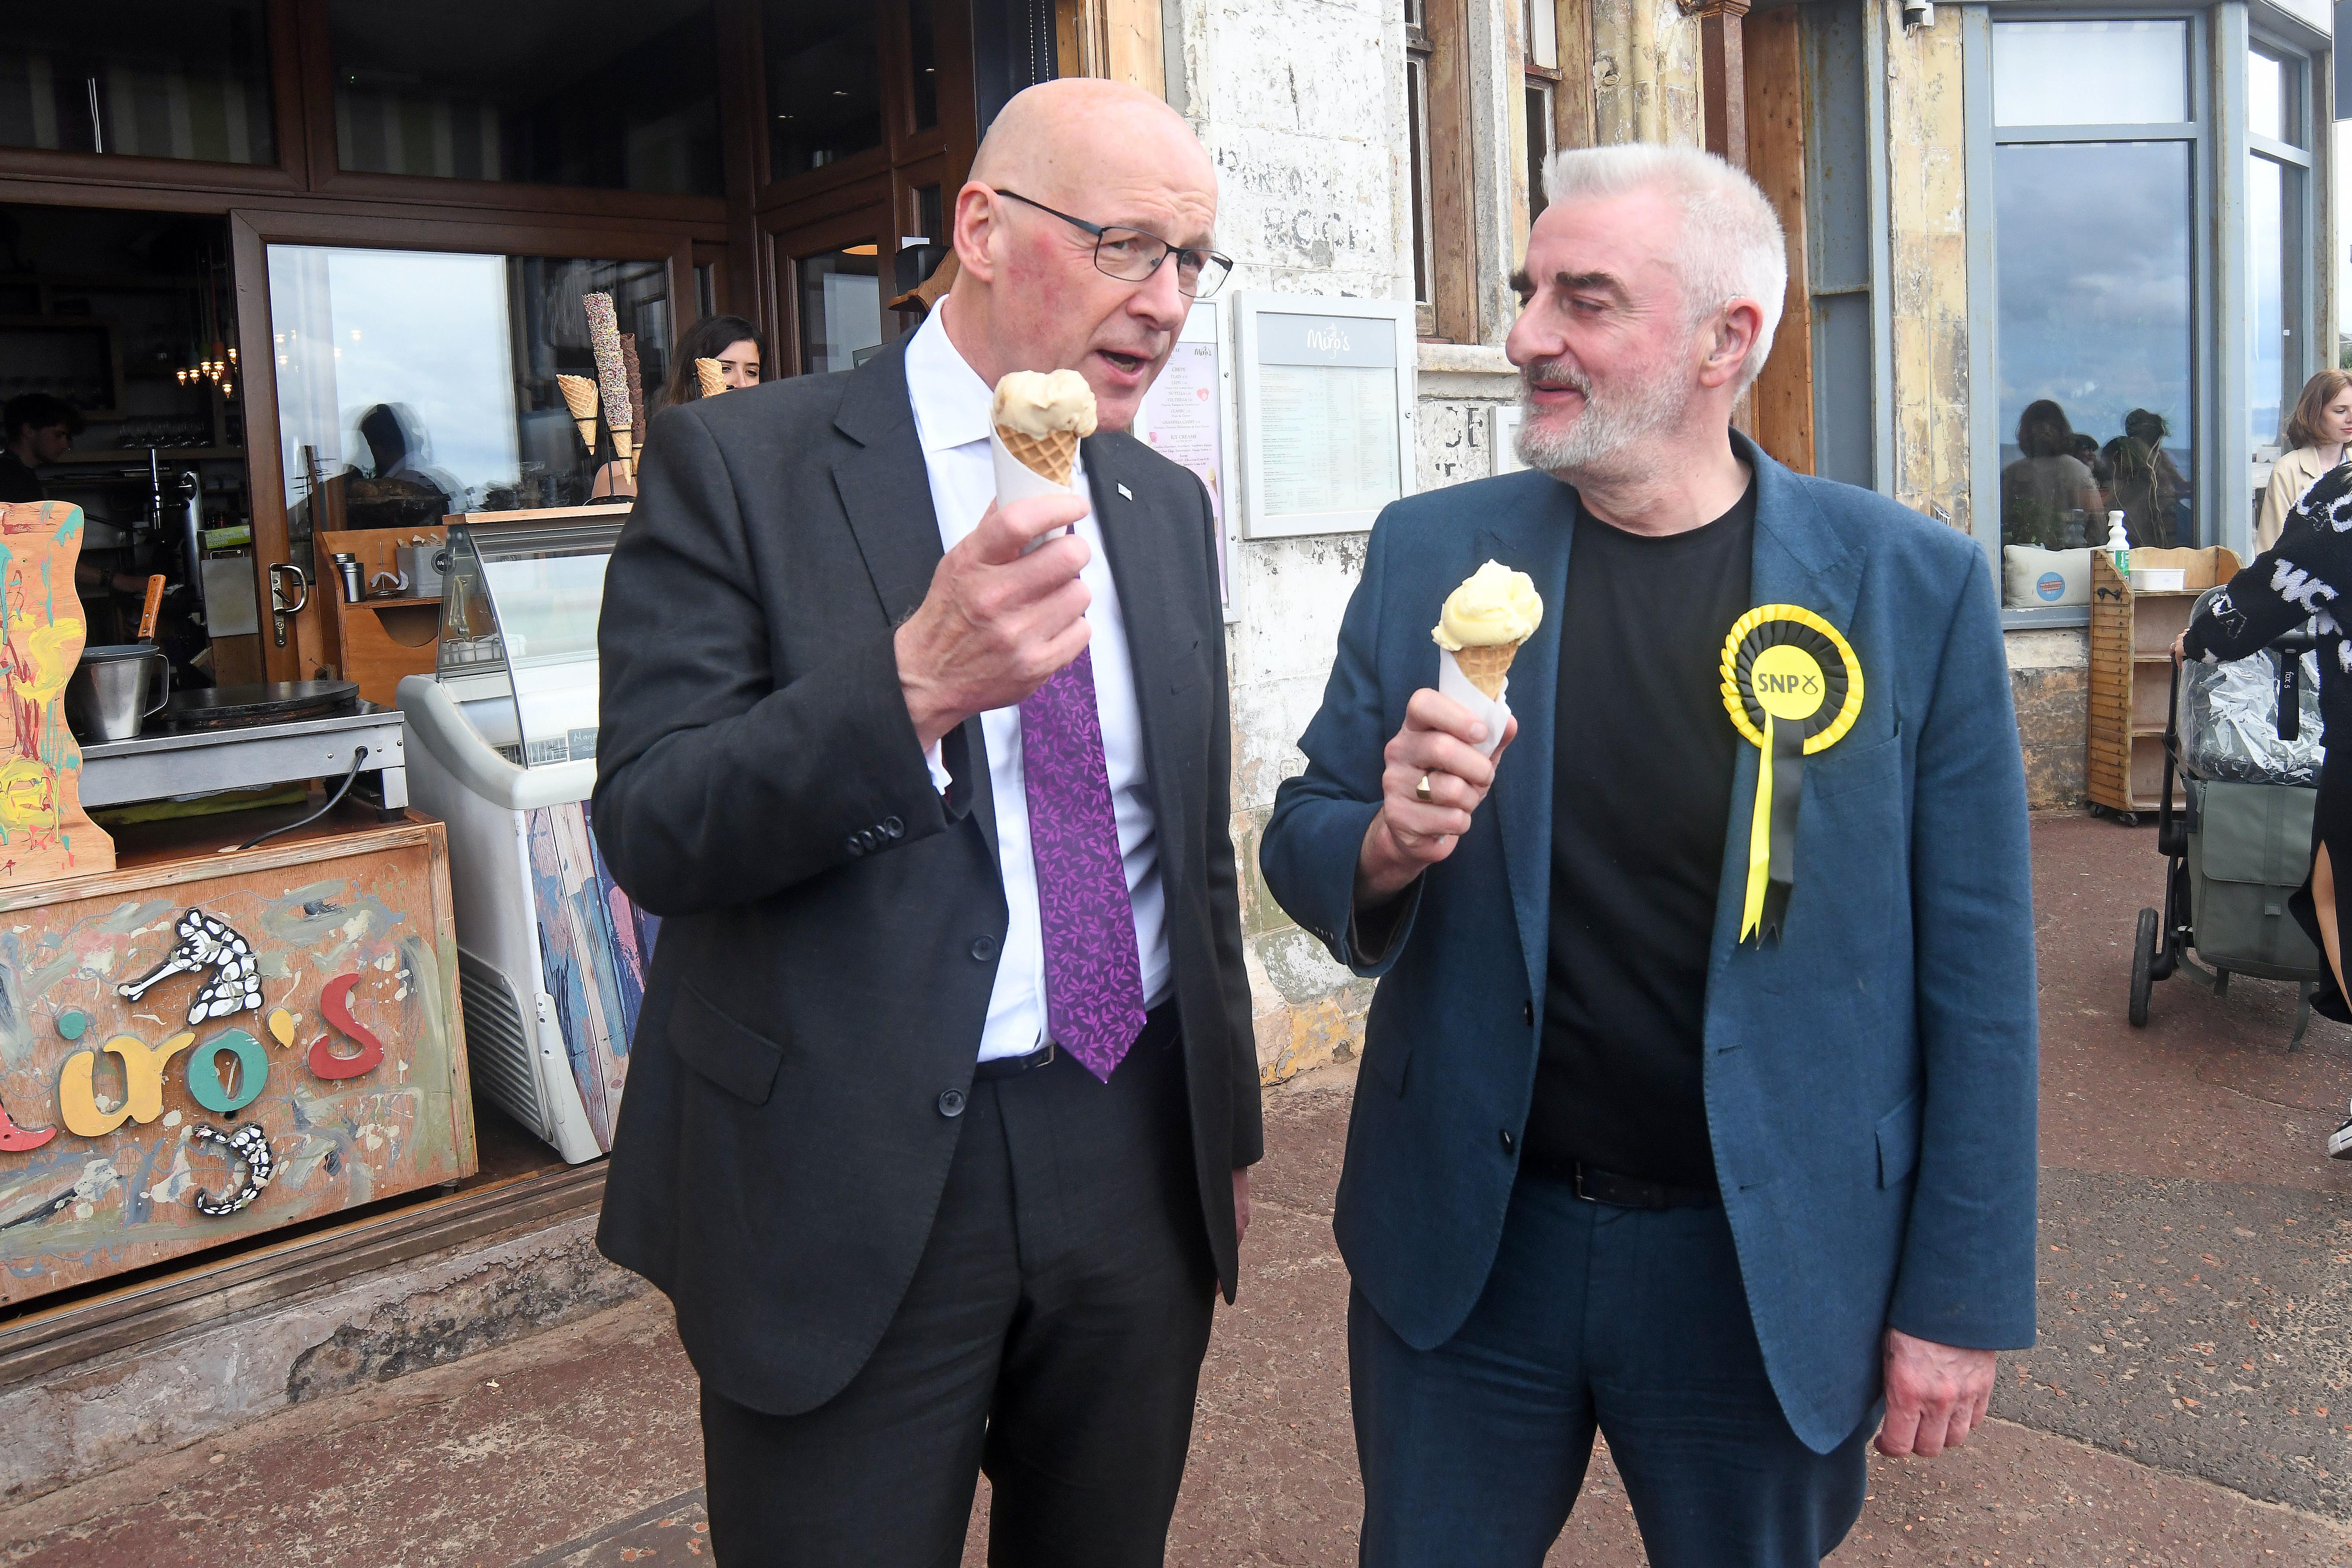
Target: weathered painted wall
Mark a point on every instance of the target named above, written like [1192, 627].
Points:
[1646, 73]
[1928, 220]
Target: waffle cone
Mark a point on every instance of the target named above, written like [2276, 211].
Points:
[578, 395]
[1485, 666]
[713, 379]
[587, 431]
[1050, 457]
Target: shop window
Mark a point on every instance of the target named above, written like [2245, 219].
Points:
[1437, 95]
[840, 307]
[415, 384]
[824, 83]
[2278, 222]
[140, 79]
[1539, 49]
[613, 98]
[2096, 135]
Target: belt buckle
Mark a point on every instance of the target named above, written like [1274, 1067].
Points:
[1576, 1184]
[1046, 1057]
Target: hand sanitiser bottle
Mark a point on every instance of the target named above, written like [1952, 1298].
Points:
[2118, 545]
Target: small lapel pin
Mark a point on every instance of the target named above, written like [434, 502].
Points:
[1127, 493]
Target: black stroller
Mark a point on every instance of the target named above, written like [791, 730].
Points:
[2245, 739]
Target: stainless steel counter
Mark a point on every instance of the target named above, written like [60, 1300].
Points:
[156, 766]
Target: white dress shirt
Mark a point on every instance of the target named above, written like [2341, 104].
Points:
[951, 416]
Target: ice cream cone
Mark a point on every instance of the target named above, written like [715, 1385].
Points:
[580, 397]
[1052, 455]
[713, 379]
[623, 449]
[1487, 665]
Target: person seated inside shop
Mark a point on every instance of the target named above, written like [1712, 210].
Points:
[398, 489]
[35, 430]
[733, 342]
[2048, 496]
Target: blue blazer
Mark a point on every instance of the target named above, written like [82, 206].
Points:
[1869, 1079]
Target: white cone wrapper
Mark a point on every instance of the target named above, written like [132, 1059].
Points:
[1016, 480]
[1494, 712]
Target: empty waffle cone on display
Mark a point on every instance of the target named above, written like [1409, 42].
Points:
[1485, 666]
[713, 379]
[1052, 455]
[580, 397]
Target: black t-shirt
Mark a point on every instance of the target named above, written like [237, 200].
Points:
[18, 482]
[1642, 776]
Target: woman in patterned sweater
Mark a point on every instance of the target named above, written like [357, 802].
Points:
[2296, 579]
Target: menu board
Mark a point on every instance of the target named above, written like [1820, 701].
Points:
[1326, 395]
[1329, 436]
[1183, 419]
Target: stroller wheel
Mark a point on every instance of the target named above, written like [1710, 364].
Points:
[2143, 959]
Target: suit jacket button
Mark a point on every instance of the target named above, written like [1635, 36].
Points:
[1527, 1012]
[892, 827]
[951, 1102]
[984, 947]
[853, 846]
[1506, 1140]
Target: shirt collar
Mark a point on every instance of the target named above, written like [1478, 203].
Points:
[952, 402]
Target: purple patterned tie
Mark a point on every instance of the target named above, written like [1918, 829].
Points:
[1094, 978]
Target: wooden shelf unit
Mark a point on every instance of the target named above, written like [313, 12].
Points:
[2131, 671]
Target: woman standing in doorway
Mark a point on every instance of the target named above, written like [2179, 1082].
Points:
[733, 342]
[2313, 439]
[2297, 577]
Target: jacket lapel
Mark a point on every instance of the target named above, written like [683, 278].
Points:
[1139, 545]
[1799, 559]
[1533, 536]
[886, 493]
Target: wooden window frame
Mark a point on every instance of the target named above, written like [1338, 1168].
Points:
[1444, 216]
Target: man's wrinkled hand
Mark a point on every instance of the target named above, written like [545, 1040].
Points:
[1439, 743]
[1935, 1396]
[1005, 611]
[1241, 1203]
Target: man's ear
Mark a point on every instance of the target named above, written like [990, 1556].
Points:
[1732, 340]
[975, 231]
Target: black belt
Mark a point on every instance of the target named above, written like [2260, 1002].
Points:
[1625, 1192]
[1159, 1029]
[1013, 1067]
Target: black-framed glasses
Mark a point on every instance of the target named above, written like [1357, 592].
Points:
[1131, 255]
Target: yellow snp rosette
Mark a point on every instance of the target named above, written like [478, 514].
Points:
[1794, 687]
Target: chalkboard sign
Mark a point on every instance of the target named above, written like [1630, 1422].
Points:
[1327, 391]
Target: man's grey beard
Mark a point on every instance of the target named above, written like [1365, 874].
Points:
[1615, 435]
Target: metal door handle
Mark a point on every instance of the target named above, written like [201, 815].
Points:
[279, 608]
[277, 594]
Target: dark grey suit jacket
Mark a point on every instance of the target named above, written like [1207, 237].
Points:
[830, 924]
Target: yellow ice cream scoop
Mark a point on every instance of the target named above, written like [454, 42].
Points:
[1493, 606]
[1484, 622]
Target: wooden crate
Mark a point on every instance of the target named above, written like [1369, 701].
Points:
[352, 1067]
[2131, 671]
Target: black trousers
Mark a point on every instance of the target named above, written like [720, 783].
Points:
[1052, 1337]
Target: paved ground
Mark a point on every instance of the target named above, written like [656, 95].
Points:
[2194, 1328]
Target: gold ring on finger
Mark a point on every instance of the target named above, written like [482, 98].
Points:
[1421, 791]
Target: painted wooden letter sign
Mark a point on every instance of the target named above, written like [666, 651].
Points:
[207, 1046]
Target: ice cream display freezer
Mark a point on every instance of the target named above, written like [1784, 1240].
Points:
[503, 748]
